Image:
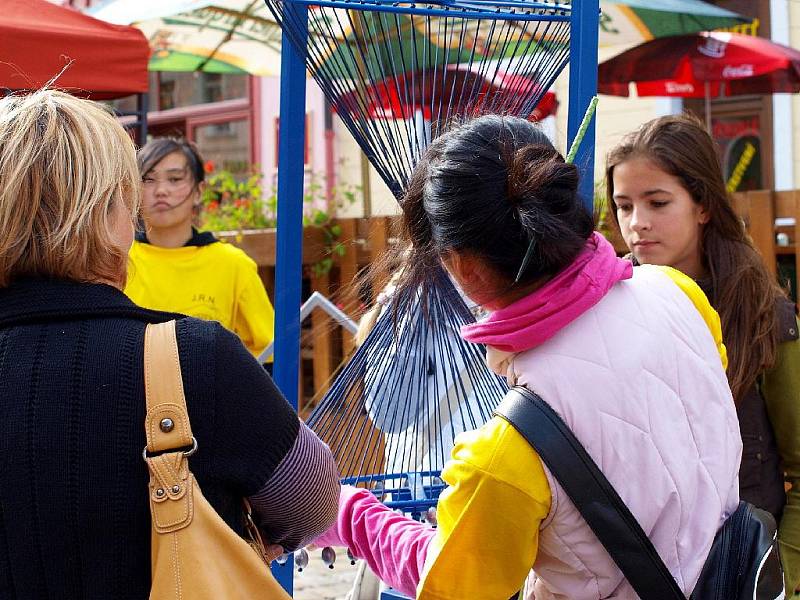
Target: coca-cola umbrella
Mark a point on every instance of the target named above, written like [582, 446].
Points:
[703, 65]
[461, 91]
[426, 104]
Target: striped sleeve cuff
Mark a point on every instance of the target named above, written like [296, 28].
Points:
[300, 500]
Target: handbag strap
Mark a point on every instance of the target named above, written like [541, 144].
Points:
[591, 493]
[167, 422]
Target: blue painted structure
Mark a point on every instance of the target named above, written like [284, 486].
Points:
[582, 86]
[583, 15]
[289, 239]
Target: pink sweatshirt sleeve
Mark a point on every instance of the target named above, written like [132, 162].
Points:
[393, 545]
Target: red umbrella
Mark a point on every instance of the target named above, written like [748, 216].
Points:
[458, 91]
[703, 65]
[38, 38]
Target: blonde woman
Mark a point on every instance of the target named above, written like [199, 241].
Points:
[74, 520]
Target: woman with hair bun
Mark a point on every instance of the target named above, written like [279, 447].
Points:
[631, 359]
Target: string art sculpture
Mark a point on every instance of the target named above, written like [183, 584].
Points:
[398, 74]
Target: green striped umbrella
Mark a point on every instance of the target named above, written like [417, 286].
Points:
[235, 36]
[216, 36]
[622, 23]
[630, 22]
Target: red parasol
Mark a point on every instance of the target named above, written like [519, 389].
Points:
[460, 91]
[701, 66]
[38, 38]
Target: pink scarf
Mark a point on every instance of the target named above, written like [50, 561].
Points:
[536, 318]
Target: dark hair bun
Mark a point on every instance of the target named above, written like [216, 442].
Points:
[493, 187]
[537, 171]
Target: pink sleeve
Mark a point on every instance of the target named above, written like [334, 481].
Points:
[393, 545]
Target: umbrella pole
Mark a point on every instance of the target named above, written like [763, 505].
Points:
[707, 86]
[421, 131]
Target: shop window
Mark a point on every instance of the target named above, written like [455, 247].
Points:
[740, 143]
[226, 144]
[166, 95]
[179, 90]
[211, 87]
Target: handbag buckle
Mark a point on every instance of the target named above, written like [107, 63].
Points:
[186, 453]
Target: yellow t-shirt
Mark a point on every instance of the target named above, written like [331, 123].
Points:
[214, 281]
[497, 497]
[703, 306]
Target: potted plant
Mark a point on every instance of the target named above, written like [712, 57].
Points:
[239, 209]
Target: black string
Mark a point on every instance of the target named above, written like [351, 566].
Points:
[418, 382]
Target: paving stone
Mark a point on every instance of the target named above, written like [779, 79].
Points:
[318, 582]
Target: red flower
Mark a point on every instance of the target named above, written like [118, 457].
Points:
[213, 206]
[208, 167]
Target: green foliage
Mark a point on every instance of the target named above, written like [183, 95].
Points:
[603, 221]
[231, 203]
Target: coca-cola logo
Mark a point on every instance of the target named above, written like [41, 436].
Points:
[737, 71]
[713, 47]
[674, 87]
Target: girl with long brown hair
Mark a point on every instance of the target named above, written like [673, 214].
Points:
[667, 194]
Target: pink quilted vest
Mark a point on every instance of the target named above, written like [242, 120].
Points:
[649, 400]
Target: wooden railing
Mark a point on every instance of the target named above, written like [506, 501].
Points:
[323, 345]
[760, 209]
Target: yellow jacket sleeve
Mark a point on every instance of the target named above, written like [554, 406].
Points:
[254, 317]
[489, 517]
[703, 306]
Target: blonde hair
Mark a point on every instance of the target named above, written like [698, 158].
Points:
[65, 165]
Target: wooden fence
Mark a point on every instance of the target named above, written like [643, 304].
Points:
[760, 209]
[324, 346]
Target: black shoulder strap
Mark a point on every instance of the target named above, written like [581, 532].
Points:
[591, 493]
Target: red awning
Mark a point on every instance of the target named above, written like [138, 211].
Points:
[38, 38]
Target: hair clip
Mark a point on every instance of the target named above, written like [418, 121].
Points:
[526, 261]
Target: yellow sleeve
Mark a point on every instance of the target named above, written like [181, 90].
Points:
[489, 517]
[703, 306]
[254, 317]
[134, 288]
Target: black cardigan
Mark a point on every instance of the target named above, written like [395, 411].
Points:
[74, 519]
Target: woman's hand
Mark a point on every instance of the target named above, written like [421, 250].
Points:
[272, 551]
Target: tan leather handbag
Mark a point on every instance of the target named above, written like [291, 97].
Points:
[195, 555]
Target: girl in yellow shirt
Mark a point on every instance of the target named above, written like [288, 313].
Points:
[175, 268]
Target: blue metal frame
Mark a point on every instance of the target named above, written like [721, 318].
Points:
[391, 594]
[488, 7]
[289, 238]
[582, 86]
[584, 16]
[447, 10]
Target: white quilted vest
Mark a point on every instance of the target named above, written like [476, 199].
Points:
[642, 387]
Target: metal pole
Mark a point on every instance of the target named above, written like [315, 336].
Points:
[707, 86]
[142, 106]
[584, 23]
[289, 242]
